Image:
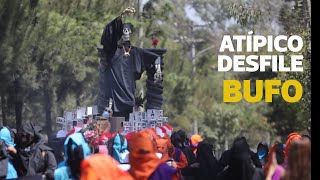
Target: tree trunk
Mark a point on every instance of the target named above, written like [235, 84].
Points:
[195, 126]
[18, 101]
[47, 107]
[4, 110]
[78, 101]
[306, 12]
[309, 10]
[5, 18]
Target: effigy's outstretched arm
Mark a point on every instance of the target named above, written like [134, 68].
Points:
[113, 32]
[158, 73]
[154, 82]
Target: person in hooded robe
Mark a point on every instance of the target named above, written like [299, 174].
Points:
[173, 156]
[76, 149]
[163, 149]
[177, 155]
[263, 153]
[33, 158]
[100, 166]
[118, 148]
[180, 141]
[208, 164]
[144, 163]
[225, 158]
[239, 163]
[7, 151]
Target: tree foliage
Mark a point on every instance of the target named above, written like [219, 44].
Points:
[49, 61]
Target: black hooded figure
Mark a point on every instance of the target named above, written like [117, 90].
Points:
[263, 153]
[121, 64]
[33, 158]
[179, 140]
[239, 162]
[208, 163]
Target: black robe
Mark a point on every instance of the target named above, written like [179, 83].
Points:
[208, 163]
[239, 163]
[37, 159]
[4, 160]
[119, 73]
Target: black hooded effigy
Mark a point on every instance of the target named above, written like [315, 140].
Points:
[118, 73]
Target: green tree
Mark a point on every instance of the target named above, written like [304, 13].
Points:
[287, 118]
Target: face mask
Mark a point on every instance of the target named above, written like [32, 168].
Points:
[106, 114]
[261, 153]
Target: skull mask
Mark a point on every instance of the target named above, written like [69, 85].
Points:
[127, 31]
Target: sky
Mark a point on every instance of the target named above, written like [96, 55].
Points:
[191, 13]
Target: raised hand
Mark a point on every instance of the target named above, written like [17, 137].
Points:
[11, 149]
[158, 74]
[127, 11]
[139, 100]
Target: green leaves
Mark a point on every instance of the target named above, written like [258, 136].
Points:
[52, 45]
[244, 15]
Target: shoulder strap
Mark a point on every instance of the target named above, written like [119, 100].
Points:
[121, 139]
[110, 146]
[43, 154]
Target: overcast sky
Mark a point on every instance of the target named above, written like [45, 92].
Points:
[191, 13]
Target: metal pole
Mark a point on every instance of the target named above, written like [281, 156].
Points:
[140, 9]
[226, 144]
[193, 58]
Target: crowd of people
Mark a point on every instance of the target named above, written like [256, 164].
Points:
[153, 153]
